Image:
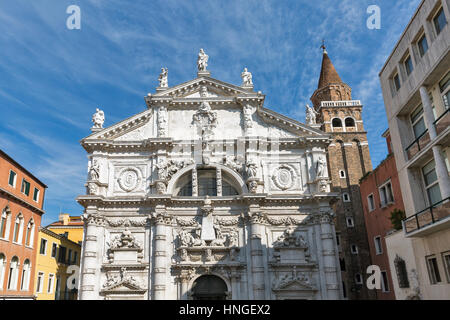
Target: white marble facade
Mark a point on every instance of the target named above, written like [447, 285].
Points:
[207, 181]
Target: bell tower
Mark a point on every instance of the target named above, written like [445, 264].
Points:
[348, 160]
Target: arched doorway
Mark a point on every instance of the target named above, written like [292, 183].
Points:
[209, 287]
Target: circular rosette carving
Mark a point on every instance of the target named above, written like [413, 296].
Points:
[284, 177]
[129, 179]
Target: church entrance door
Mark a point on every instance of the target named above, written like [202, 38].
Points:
[209, 287]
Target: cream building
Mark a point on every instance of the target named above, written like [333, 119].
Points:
[207, 194]
[416, 87]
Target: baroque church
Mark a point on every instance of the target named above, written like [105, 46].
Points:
[208, 194]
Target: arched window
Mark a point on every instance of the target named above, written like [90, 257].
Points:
[30, 233]
[349, 122]
[2, 269]
[5, 223]
[25, 275]
[336, 123]
[206, 184]
[13, 273]
[18, 228]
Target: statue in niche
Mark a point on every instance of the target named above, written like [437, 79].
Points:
[311, 115]
[252, 168]
[246, 78]
[163, 82]
[162, 121]
[94, 170]
[202, 61]
[248, 121]
[98, 119]
[320, 167]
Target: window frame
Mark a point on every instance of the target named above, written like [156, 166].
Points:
[36, 196]
[433, 184]
[54, 250]
[371, 205]
[361, 280]
[15, 178]
[398, 86]
[51, 283]
[433, 274]
[342, 174]
[405, 64]
[384, 186]
[356, 251]
[446, 263]
[434, 21]
[378, 249]
[45, 247]
[40, 280]
[352, 224]
[419, 42]
[26, 190]
[383, 284]
[348, 197]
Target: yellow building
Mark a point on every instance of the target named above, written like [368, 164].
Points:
[56, 253]
[73, 226]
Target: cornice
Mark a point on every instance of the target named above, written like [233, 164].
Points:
[22, 202]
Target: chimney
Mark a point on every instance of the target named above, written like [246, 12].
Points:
[64, 218]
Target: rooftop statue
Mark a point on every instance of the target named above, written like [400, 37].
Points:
[98, 119]
[202, 61]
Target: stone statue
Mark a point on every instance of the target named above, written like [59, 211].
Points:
[163, 82]
[203, 92]
[248, 121]
[162, 121]
[94, 170]
[202, 61]
[310, 115]
[246, 78]
[320, 171]
[98, 119]
[252, 168]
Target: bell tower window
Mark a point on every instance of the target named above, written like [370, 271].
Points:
[337, 123]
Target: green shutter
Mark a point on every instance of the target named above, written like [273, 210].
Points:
[12, 175]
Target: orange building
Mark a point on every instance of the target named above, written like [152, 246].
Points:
[21, 209]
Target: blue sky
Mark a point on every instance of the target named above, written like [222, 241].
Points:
[53, 78]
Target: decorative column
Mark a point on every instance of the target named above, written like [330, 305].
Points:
[329, 256]
[235, 290]
[256, 231]
[162, 219]
[90, 273]
[184, 278]
[441, 168]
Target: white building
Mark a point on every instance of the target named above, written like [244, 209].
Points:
[416, 87]
[207, 194]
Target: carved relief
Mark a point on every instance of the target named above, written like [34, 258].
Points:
[205, 120]
[287, 280]
[284, 177]
[233, 163]
[129, 179]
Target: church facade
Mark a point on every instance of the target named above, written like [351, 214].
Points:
[207, 194]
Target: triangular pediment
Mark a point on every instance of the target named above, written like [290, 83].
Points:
[123, 286]
[129, 129]
[287, 127]
[295, 285]
[215, 89]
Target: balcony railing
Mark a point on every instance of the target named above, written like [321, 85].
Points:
[418, 144]
[428, 216]
[443, 122]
